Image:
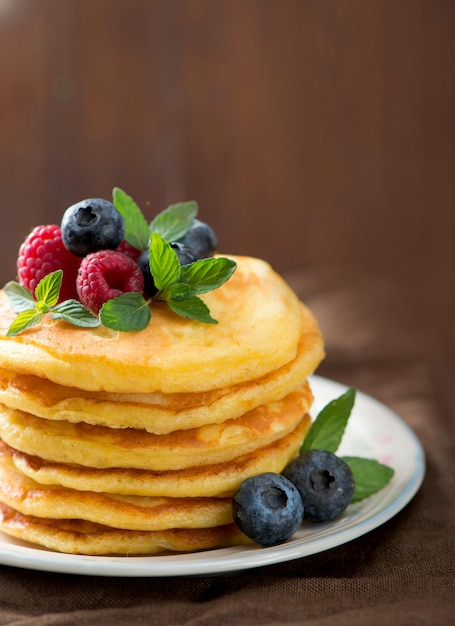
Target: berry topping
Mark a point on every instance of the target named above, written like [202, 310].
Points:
[143, 253]
[267, 508]
[201, 239]
[106, 274]
[43, 252]
[91, 225]
[325, 483]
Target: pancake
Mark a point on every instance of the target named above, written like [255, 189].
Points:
[157, 413]
[127, 512]
[82, 537]
[220, 480]
[260, 325]
[101, 447]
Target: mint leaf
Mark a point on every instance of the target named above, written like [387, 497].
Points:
[75, 313]
[164, 263]
[193, 308]
[127, 312]
[328, 428]
[207, 274]
[136, 227]
[24, 320]
[174, 222]
[370, 476]
[176, 291]
[48, 288]
[20, 297]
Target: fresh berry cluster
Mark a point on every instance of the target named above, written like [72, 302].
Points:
[98, 264]
[317, 486]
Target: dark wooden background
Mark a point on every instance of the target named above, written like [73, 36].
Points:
[313, 133]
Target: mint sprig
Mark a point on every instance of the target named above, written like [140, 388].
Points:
[178, 285]
[326, 433]
[31, 308]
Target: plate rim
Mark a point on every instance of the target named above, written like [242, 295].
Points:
[236, 559]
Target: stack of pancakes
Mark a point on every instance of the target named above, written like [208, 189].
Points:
[135, 442]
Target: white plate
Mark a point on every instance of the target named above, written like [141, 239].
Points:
[374, 431]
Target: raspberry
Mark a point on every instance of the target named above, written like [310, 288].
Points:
[106, 274]
[43, 252]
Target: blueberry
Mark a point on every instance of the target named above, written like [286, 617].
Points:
[185, 253]
[91, 225]
[201, 238]
[325, 483]
[267, 508]
[144, 264]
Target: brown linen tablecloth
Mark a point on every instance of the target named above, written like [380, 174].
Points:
[400, 573]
